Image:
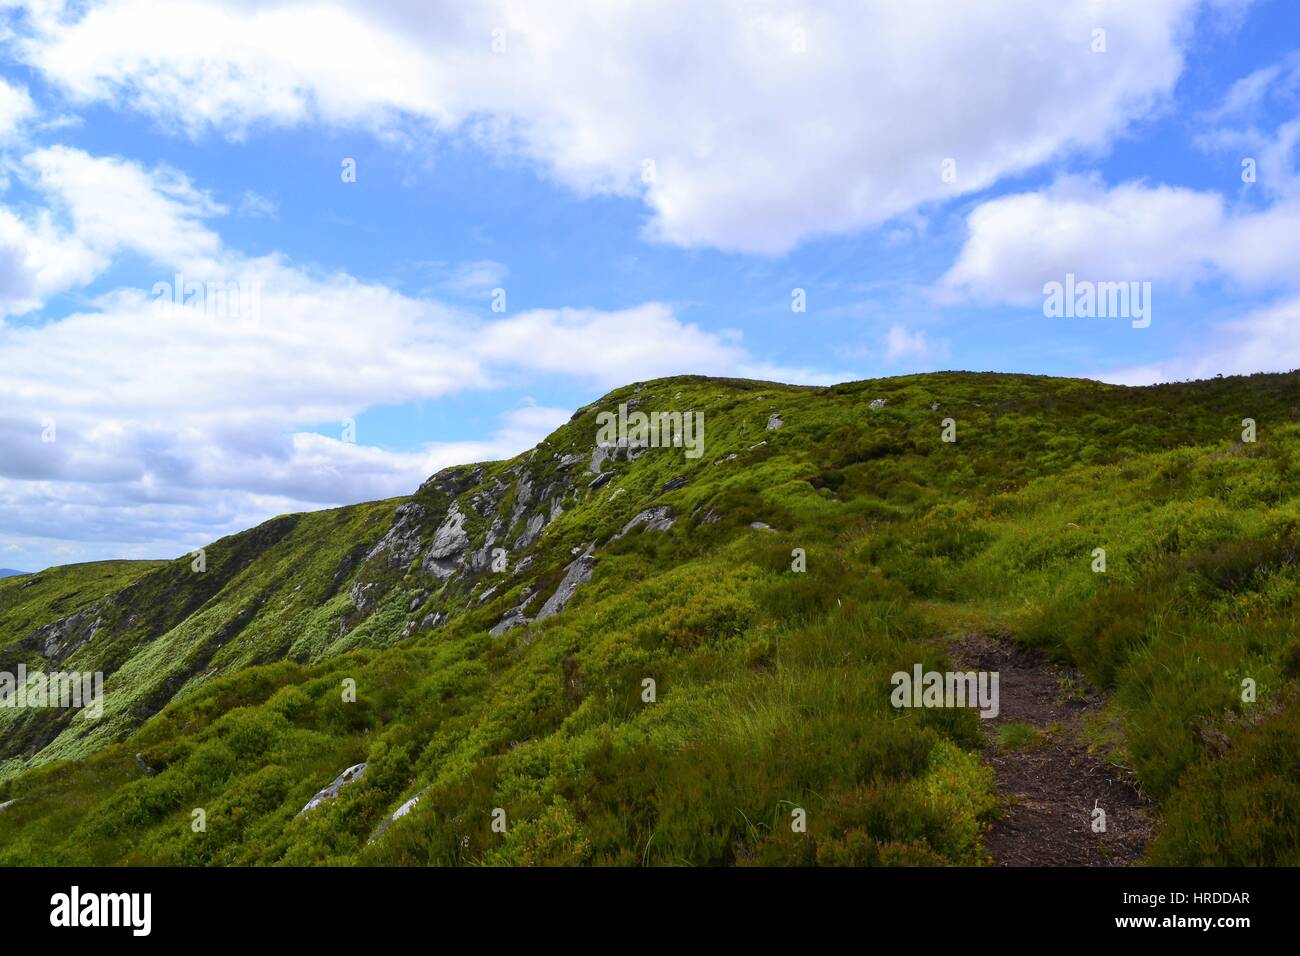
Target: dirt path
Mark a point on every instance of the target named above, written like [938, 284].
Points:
[1051, 783]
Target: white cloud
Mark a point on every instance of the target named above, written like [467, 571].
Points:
[177, 425]
[900, 345]
[1131, 232]
[1264, 340]
[469, 279]
[254, 205]
[758, 138]
[16, 108]
[607, 348]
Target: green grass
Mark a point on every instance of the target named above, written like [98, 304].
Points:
[772, 686]
[1017, 734]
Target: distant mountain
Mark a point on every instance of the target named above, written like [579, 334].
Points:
[10, 573]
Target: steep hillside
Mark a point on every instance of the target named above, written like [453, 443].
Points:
[629, 655]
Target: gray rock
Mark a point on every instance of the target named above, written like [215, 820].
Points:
[361, 594]
[604, 451]
[877, 404]
[710, 517]
[351, 775]
[531, 532]
[577, 573]
[401, 545]
[774, 422]
[658, 518]
[450, 538]
[397, 814]
[672, 484]
[760, 526]
[432, 620]
[60, 639]
[449, 544]
[513, 618]
[6, 805]
[600, 479]
[147, 770]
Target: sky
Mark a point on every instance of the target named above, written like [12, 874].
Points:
[258, 258]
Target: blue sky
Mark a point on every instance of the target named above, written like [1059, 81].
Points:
[646, 183]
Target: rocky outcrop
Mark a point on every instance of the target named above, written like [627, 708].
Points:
[658, 518]
[577, 573]
[449, 543]
[532, 531]
[774, 422]
[397, 814]
[351, 775]
[401, 545]
[61, 639]
[514, 618]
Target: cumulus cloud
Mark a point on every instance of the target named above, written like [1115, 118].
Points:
[136, 415]
[16, 108]
[1130, 232]
[730, 120]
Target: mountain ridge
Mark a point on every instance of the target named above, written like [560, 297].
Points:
[294, 599]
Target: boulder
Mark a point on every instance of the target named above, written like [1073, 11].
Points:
[351, 775]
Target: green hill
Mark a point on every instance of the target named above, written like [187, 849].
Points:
[502, 625]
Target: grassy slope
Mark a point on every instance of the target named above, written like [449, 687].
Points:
[772, 686]
[33, 600]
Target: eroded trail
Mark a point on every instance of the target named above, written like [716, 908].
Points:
[1048, 780]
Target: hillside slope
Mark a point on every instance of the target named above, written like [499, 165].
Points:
[617, 655]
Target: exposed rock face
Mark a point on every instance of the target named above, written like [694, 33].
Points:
[401, 545]
[397, 814]
[514, 618]
[600, 480]
[6, 805]
[599, 454]
[351, 775]
[362, 594]
[673, 484]
[577, 573]
[774, 422]
[658, 518]
[449, 543]
[877, 404]
[61, 639]
[711, 516]
[140, 762]
[531, 532]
